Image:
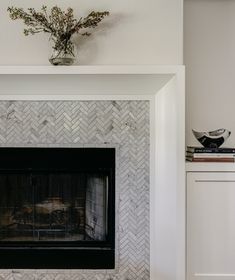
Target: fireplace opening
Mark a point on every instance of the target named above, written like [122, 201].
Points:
[50, 206]
[57, 208]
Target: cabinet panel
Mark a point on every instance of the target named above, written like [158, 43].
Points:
[210, 225]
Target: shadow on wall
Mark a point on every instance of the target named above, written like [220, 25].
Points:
[87, 48]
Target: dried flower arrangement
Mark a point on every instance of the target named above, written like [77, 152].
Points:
[61, 25]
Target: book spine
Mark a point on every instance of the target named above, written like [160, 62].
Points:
[211, 155]
[211, 150]
[210, 159]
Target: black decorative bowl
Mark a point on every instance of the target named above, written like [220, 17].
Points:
[212, 139]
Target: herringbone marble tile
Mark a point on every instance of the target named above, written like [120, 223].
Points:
[122, 123]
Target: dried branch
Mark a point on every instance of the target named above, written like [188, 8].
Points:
[60, 24]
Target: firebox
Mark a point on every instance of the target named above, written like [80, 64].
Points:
[57, 208]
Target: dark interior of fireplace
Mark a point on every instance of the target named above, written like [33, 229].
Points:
[53, 207]
[57, 204]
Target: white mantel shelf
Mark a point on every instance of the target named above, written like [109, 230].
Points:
[210, 167]
[90, 69]
[84, 80]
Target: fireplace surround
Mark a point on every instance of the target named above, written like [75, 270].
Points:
[161, 89]
[89, 125]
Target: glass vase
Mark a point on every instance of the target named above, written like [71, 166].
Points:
[62, 52]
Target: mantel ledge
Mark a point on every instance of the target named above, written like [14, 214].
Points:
[90, 69]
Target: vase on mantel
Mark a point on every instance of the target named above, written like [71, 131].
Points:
[62, 27]
[62, 51]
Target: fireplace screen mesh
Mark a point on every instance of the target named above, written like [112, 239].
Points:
[36, 206]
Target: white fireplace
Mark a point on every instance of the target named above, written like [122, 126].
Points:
[163, 88]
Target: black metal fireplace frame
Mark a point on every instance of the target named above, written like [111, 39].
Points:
[61, 255]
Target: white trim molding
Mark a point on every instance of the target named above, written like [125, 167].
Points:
[164, 87]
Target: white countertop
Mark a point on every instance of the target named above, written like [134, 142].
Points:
[210, 167]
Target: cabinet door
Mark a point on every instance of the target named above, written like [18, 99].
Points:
[211, 226]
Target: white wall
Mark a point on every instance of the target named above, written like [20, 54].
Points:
[209, 48]
[137, 32]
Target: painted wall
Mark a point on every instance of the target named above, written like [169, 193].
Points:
[209, 54]
[137, 32]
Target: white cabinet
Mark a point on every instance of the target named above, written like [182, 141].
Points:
[211, 224]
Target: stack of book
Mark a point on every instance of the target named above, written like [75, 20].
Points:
[201, 154]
